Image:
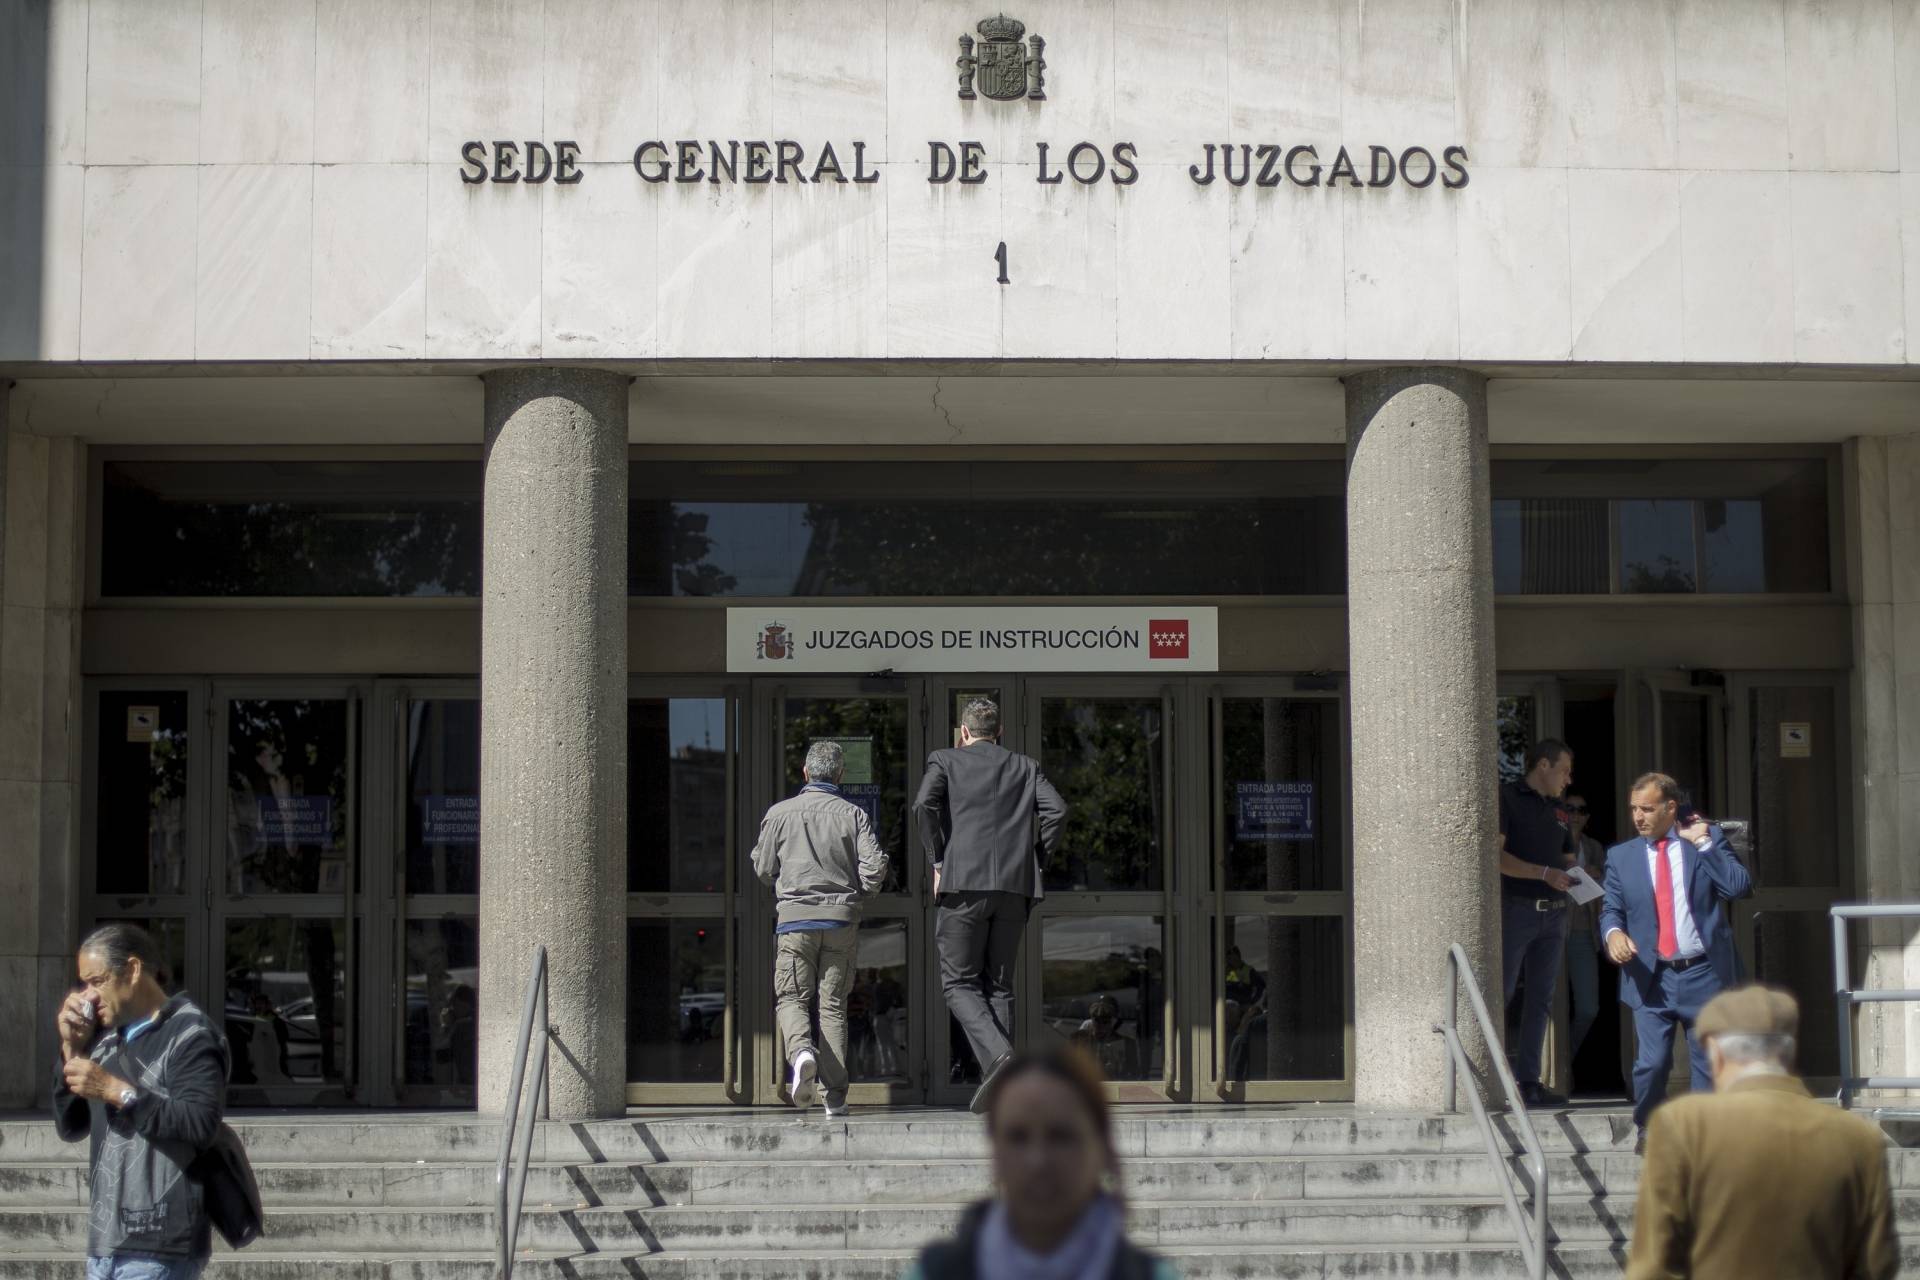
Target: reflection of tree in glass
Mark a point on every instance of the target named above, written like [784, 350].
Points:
[1663, 576]
[1115, 546]
[885, 721]
[340, 546]
[279, 750]
[1514, 718]
[1103, 754]
[667, 550]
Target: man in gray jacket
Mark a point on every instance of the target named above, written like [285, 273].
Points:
[819, 853]
[145, 1078]
[988, 818]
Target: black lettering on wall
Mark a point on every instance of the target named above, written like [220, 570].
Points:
[1269, 166]
[1043, 179]
[504, 154]
[1313, 171]
[757, 157]
[539, 162]
[860, 173]
[640, 161]
[1406, 167]
[1456, 158]
[475, 154]
[1193, 170]
[1123, 155]
[973, 168]
[566, 164]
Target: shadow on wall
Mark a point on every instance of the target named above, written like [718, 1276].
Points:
[25, 79]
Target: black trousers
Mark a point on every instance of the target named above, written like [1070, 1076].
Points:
[977, 933]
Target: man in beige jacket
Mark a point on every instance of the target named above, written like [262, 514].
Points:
[819, 853]
[1757, 1178]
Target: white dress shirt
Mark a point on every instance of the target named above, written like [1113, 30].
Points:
[1685, 933]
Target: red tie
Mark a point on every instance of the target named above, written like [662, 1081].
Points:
[1663, 902]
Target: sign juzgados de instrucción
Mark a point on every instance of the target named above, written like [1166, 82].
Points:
[958, 638]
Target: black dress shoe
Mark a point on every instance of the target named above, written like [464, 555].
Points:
[1538, 1095]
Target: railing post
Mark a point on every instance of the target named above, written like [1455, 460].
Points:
[1452, 1006]
[1843, 1005]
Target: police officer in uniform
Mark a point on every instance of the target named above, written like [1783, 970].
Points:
[1536, 849]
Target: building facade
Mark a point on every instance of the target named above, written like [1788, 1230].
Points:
[458, 456]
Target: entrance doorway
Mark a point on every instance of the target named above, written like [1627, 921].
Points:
[308, 855]
[1198, 895]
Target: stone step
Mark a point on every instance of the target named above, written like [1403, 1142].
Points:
[837, 1183]
[746, 1228]
[787, 1135]
[1484, 1262]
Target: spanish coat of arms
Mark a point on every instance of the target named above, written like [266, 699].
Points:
[1005, 68]
[774, 643]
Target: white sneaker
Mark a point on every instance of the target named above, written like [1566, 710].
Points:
[800, 1087]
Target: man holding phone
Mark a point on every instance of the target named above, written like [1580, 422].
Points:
[1665, 923]
[144, 1077]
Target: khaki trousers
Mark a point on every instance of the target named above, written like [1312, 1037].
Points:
[816, 962]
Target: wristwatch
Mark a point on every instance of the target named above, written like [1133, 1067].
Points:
[127, 1098]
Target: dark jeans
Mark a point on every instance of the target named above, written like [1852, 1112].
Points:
[1531, 945]
[978, 937]
[1677, 997]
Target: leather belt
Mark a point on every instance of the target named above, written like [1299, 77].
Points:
[1543, 904]
[1682, 965]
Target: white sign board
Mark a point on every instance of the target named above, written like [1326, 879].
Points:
[1796, 740]
[777, 641]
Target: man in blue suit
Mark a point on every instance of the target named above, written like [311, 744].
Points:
[1665, 924]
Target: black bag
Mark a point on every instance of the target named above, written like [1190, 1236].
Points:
[229, 1193]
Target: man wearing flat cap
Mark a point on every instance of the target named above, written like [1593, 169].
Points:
[1758, 1178]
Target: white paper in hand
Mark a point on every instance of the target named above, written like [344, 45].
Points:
[1585, 889]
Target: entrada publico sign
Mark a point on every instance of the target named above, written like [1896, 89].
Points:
[956, 638]
[1001, 66]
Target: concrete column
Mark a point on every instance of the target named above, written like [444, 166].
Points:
[1882, 477]
[553, 744]
[1420, 635]
[42, 501]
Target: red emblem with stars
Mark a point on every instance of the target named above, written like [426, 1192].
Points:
[1167, 638]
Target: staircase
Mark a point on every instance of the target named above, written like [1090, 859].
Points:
[1248, 1193]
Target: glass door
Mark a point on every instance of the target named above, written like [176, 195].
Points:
[874, 722]
[1096, 967]
[285, 922]
[422, 885]
[144, 815]
[686, 852]
[1280, 944]
[1789, 749]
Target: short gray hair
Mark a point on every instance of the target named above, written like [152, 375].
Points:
[981, 718]
[825, 761]
[119, 941]
[1746, 1049]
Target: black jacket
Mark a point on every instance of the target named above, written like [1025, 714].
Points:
[954, 1259]
[143, 1200]
[989, 818]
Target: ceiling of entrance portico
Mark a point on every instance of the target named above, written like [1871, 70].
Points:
[998, 408]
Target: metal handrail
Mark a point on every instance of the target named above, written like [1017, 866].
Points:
[1845, 997]
[1532, 1240]
[506, 1221]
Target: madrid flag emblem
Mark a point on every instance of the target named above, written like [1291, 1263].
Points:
[1167, 638]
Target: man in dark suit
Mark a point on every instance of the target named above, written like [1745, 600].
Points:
[1759, 1178]
[1665, 924]
[989, 818]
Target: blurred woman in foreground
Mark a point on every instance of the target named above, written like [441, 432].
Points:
[1052, 1140]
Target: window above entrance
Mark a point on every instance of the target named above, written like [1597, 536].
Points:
[1224, 527]
[777, 528]
[1638, 526]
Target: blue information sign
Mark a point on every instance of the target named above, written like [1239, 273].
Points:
[1273, 811]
